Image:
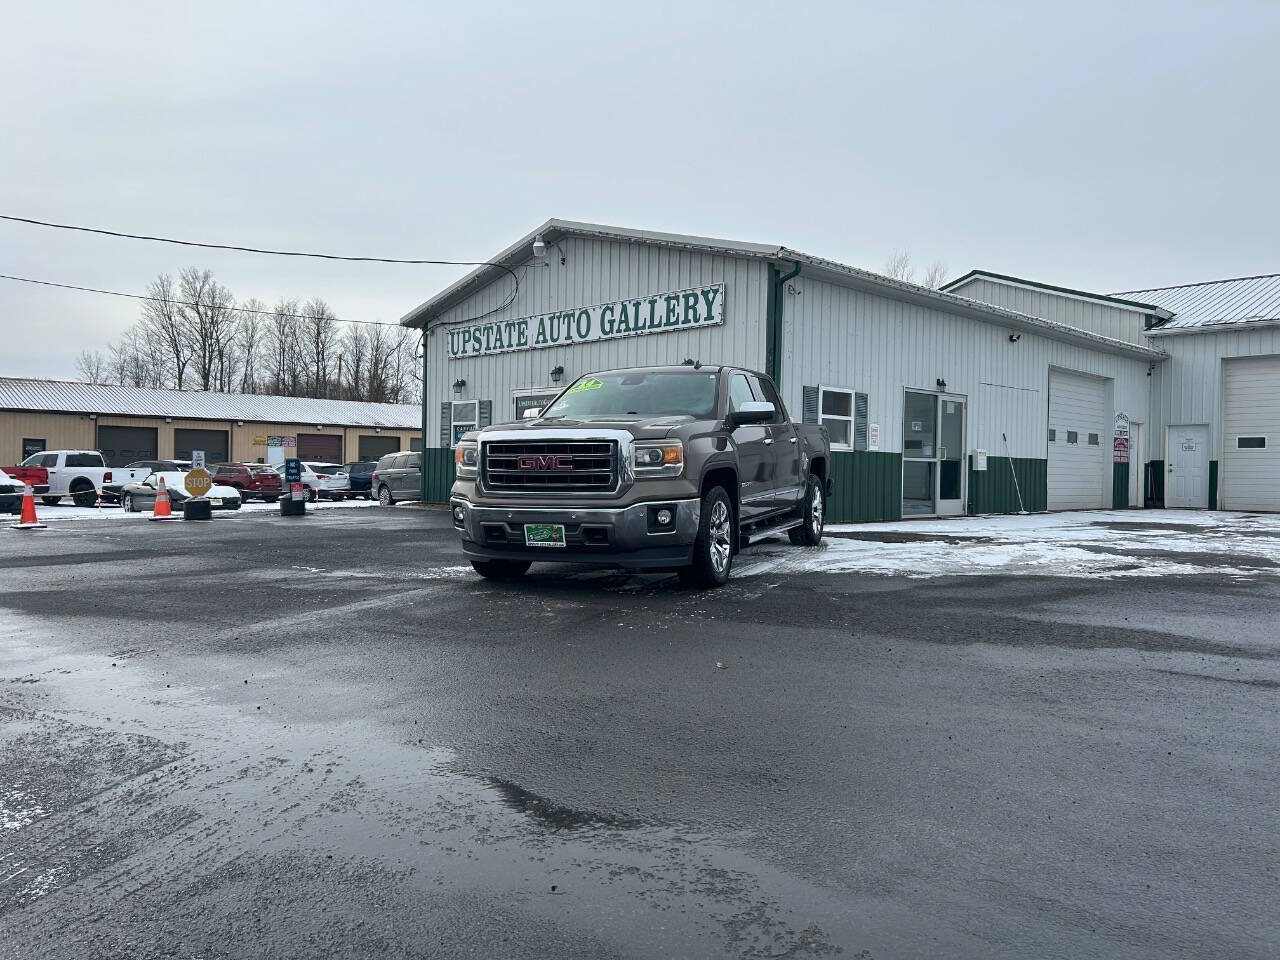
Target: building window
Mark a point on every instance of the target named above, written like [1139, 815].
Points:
[32, 445]
[1251, 443]
[1053, 435]
[835, 405]
[465, 417]
[1073, 437]
[1093, 439]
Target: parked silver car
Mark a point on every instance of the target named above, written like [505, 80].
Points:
[398, 476]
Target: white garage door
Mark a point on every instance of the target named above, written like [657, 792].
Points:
[1077, 441]
[1251, 434]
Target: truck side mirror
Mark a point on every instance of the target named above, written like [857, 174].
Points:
[753, 411]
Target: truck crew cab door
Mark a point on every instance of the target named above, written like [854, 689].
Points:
[755, 455]
[785, 449]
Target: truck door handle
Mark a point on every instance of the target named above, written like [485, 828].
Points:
[768, 441]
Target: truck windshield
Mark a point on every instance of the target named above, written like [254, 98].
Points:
[638, 393]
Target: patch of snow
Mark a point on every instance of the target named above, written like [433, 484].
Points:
[18, 810]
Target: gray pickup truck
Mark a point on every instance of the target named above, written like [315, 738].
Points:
[655, 468]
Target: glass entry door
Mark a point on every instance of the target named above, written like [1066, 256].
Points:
[933, 474]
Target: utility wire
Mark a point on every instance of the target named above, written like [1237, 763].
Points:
[186, 303]
[280, 253]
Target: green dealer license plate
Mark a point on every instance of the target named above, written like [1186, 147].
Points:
[544, 534]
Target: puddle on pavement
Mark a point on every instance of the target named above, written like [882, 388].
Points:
[249, 786]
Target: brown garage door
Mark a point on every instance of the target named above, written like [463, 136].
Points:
[374, 447]
[319, 448]
[122, 445]
[212, 442]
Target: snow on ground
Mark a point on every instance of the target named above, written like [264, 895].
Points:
[67, 511]
[1126, 543]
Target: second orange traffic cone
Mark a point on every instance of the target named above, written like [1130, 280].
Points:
[162, 510]
[28, 519]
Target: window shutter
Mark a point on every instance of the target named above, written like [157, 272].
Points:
[446, 424]
[809, 408]
[859, 421]
[486, 412]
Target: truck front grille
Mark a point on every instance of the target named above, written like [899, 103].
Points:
[534, 466]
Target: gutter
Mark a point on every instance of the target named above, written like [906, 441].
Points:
[773, 321]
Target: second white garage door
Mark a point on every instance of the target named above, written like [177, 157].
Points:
[1251, 434]
[1078, 440]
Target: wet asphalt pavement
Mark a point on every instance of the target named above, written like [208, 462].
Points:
[327, 738]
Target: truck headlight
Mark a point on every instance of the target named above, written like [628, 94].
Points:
[657, 458]
[466, 458]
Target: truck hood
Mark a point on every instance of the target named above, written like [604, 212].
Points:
[642, 428]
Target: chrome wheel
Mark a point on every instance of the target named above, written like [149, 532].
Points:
[384, 497]
[815, 513]
[719, 529]
[127, 502]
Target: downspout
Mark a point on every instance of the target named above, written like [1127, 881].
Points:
[422, 478]
[773, 333]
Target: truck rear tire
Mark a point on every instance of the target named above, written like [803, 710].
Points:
[713, 547]
[501, 569]
[51, 501]
[814, 512]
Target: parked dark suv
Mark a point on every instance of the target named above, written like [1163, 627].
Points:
[361, 476]
[398, 476]
[251, 479]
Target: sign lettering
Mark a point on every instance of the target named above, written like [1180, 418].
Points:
[661, 313]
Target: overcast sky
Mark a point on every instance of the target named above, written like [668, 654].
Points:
[1107, 146]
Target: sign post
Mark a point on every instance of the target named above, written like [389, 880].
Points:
[198, 482]
[294, 501]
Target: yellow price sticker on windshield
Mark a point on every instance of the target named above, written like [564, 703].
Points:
[589, 383]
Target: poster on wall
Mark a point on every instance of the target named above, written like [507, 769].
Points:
[1122, 425]
[658, 313]
[1120, 450]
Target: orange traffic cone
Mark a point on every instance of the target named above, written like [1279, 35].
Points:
[28, 519]
[161, 511]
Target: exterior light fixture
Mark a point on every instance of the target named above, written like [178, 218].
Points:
[239, 423]
[1015, 337]
[93, 416]
[168, 419]
[377, 429]
[539, 247]
[942, 384]
[458, 386]
[556, 373]
[319, 426]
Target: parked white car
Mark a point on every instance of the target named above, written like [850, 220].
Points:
[11, 491]
[335, 482]
[313, 482]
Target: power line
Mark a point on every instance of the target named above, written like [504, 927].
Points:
[185, 303]
[119, 234]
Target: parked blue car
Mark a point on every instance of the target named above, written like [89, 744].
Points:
[361, 475]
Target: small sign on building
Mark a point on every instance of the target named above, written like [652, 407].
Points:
[873, 436]
[1120, 450]
[1122, 427]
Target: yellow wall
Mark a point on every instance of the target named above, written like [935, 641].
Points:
[62, 431]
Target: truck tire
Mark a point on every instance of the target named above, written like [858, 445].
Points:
[384, 496]
[51, 501]
[814, 512]
[501, 569]
[126, 503]
[713, 547]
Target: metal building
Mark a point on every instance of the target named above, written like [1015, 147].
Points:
[1213, 437]
[128, 423]
[936, 404]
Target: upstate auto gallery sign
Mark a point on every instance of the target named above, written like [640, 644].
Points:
[660, 313]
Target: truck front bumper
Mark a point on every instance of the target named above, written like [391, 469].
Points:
[622, 536]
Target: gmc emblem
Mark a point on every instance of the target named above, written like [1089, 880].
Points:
[531, 461]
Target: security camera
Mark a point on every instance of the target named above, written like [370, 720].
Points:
[1015, 337]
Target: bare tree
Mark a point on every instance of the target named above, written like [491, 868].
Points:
[208, 316]
[163, 320]
[935, 275]
[280, 349]
[249, 338]
[319, 334]
[899, 267]
[92, 367]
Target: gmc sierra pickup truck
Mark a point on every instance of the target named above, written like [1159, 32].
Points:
[657, 468]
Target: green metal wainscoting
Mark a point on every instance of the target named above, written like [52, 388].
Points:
[437, 467]
[1120, 486]
[993, 490]
[866, 485]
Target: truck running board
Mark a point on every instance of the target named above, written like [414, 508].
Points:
[756, 535]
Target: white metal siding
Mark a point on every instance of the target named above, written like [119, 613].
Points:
[1077, 405]
[872, 344]
[1187, 388]
[1250, 479]
[597, 271]
[1120, 323]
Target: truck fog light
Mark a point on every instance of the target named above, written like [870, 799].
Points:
[664, 518]
[459, 515]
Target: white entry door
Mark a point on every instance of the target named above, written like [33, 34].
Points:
[1187, 483]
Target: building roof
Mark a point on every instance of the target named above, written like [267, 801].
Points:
[1216, 303]
[521, 251]
[65, 396]
[1106, 298]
